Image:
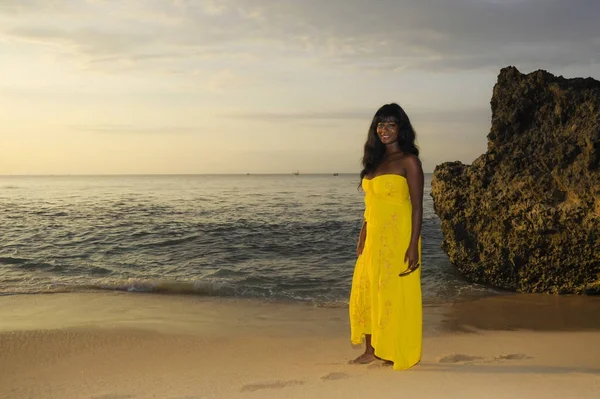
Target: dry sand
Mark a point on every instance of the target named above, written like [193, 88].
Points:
[121, 346]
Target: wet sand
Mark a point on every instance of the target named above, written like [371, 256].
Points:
[122, 345]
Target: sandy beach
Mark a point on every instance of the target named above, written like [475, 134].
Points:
[123, 345]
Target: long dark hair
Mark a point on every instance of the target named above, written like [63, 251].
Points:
[375, 149]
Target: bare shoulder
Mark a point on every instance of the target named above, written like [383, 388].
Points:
[406, 164]
[412, 163]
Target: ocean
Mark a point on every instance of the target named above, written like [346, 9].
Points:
[275, 237]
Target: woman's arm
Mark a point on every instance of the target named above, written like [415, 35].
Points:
[361, 238]
[415, 179]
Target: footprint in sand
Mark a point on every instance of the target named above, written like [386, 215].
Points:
[459, 358]
[335, 376]
[513, 356]
[113, 396]
[379, 365]
[270, 385]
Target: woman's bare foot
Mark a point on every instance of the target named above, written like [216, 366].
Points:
[365, 358]
[368, 356]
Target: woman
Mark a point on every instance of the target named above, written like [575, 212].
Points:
[385, 302]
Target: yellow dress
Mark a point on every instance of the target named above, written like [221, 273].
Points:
[383, 304]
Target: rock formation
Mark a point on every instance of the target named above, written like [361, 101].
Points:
[525, 216]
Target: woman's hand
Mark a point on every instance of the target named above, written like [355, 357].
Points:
[412, 258]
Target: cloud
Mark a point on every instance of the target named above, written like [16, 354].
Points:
[224, 81]
[89, 40]
[132, 129]
[430, 35]
[472, 115]
[303, 116]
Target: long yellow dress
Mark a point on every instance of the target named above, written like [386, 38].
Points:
[383, 304]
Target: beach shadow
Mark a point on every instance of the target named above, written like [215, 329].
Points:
[532, 312]
[270, 385]
[487, 368]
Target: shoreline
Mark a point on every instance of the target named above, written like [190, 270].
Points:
[504, 310]
[117, 345]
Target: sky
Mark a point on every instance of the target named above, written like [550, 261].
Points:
[264, 86]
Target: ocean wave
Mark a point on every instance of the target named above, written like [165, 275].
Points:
[167, 242]
[201, 288]
[9, 260]
[58, 268]
[225, 290]
[166, 287]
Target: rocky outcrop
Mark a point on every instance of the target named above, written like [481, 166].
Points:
[525, 216]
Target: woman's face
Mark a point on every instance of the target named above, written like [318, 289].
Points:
[387, 132]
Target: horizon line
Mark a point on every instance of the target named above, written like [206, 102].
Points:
[175, 174]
